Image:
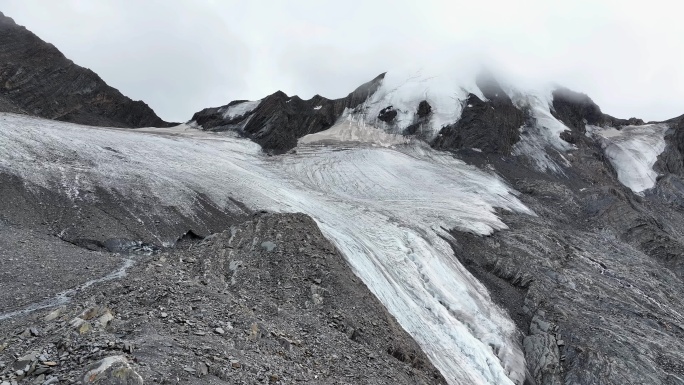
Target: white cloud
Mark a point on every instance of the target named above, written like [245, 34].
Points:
[185, 55]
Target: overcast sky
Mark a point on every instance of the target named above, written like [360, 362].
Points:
[182, 56]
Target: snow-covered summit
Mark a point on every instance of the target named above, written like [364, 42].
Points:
[396, 103]
[452, 109]
[448, 108]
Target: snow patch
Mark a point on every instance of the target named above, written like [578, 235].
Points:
[444, 89]
[633, 150]
[240, 109]
[347, 129]
[318, 107]
[541, 139]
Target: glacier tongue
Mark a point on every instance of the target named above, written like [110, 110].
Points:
[386, 209]
[633, 150]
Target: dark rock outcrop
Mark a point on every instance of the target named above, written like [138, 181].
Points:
[387, 114]
[279, 120]
[576, 110]
[672, 159]
[37, 79]
[7, 105]
[421, 121]
[492, 125]
[592, 277]
[424, 109]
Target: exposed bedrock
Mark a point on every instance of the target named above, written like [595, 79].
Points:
[36, 78]
[672, 159]
[576, 110]
[491, 125]
[278, 120]
[592, 281]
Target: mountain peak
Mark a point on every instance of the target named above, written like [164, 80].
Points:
[448, 108]
[37, 79]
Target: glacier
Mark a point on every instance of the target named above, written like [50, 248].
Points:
[632, 151]
[387, 209]
[543, 136]
[403, 88]
[447, 91]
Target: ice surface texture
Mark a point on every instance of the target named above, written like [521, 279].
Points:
[633, 150]
[386, 209]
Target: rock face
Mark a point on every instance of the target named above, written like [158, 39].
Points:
[592, 277]
[36, 78]
[671, 160]
[102, 220]
[492, 125]
[576, 110]
[7, 105]
[278, 120]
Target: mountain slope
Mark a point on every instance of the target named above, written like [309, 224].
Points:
[448, 112]
[158, 177]
[37, 79]
[591, 278]
[588, 269]
[219, 311]
[277, 121]
[515, 236]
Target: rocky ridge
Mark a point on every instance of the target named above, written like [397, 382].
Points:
[492, 124]
[279, 120]
[37, 79]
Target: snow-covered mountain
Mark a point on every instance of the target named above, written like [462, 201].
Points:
[448, 111]
[517, 236]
